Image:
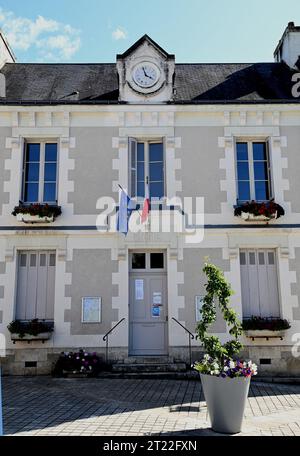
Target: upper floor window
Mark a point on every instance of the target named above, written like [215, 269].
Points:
[146, 166]
[253, 171]
[40, 173]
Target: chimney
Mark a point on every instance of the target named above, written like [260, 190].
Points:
[288, 48]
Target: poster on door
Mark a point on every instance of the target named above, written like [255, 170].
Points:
[139, 289]
[155, 311]
[157, 298]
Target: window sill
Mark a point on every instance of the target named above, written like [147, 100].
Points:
[28, 218]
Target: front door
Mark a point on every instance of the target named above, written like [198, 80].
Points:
[148, 308]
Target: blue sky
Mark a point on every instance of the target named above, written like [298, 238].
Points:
[194, 30]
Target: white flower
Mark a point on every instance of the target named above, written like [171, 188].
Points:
[226, 368]
[231, 364]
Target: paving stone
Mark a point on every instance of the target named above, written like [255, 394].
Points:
[46, 406]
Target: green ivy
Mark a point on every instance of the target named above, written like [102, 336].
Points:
[218, 290]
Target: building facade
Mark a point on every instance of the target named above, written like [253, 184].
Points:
[210, 136]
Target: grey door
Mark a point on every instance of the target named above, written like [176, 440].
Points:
[148, 310]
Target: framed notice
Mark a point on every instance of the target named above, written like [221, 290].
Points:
[198, 306]
[91, 310]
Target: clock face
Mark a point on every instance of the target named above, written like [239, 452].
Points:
[145, 75]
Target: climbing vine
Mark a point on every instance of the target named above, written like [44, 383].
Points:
[218, 292]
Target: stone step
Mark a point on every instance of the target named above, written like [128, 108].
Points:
[147, 367]
[147, 360]
[188, 375]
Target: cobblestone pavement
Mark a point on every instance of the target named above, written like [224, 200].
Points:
[47, 406]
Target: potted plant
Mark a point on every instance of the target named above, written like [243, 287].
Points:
[30, 330]
[78, 364]
[265, 327]
[36, 213]
[259, 211]
[225, 379]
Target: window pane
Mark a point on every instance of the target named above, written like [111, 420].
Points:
[141, 189]
[49, 192]
[140, 152]
[141, 171]
[32, 172]
[23, 259]
[260, 171]
[251, 258]
[242, 151]
[243, 170]
[138, 261]
[242, 258]
[261, 191]
[133, 183]
[42, 259]
[156, 260]
[33, 152]
[271, 257]
[33, 260]
[156, 171]
[51, 152]
[244, 191]
[156, 152]
[52, 259]
[156, 189]
[259, 151]
[50, 172]
[31, 193]
[261, 257]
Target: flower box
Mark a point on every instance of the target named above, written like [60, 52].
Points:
[29, 337]
[264, 333]
[28, 218]
[247, 216]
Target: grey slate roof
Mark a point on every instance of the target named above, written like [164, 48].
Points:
[194, 83]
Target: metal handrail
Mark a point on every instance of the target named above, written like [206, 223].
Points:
[105, 338]
[191, 336]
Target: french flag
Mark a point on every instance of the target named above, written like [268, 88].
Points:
[146, 206]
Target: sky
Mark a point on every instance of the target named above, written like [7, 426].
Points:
[194, 30]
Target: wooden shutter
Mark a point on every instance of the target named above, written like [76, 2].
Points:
[132, 160]
[36, 285]
[259, 283]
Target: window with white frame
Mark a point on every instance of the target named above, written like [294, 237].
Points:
[40, 172]
[146, 166]
[259, 283]
[253, 171]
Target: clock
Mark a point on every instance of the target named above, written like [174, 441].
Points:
[145, 75]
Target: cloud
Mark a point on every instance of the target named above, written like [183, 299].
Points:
[53, 40]
[119, 34]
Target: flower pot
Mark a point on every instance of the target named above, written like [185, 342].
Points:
[226, 401]
[28, 218]
[263, 333]
[30, 337]
[247, 216]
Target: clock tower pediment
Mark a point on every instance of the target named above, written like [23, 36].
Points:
[146, 73]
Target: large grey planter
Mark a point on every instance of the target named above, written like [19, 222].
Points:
[226, 402]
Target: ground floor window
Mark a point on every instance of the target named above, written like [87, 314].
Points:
[36, 285]
[259, 283]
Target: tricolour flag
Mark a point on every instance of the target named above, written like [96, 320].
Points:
[124, 212]
[146, 206]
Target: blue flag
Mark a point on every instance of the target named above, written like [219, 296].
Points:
[1, 415]
[124, 213]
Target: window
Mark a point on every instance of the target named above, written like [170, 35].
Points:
[259, 283]
[36, 285]
[40, 173]
[146, 167]
[253, 171]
